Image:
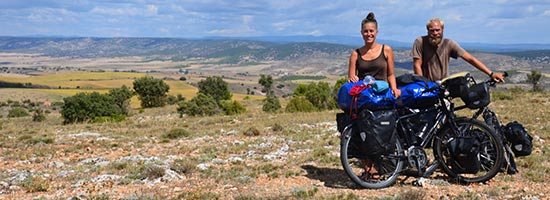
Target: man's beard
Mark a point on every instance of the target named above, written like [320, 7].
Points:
[435, 40]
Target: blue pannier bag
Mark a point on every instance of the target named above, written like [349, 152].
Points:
[367, 98]
[414, 95]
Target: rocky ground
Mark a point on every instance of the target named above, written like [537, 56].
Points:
[296, 161]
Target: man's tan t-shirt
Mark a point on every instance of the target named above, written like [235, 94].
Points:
[435, 60]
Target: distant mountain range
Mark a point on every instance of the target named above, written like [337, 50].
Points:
[358, 41]
[169, 48]
[295, 51]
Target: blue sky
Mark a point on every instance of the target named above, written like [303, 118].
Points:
[485, 21]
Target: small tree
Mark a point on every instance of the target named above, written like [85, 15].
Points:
[151, 91]
[215, 87]
[121, 97]
[534, 78]
[267, 83]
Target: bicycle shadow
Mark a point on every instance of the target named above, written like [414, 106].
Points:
[330, 177]
[337, 178]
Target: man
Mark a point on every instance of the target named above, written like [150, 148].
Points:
[431, 54]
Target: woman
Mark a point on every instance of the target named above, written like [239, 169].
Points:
[375, 60]
[372, 58]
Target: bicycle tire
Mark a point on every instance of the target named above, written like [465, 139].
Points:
[392, 164]
[491, 151]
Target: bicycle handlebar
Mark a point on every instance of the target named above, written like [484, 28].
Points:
[491, 82]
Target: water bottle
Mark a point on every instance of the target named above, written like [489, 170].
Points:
[368, 80]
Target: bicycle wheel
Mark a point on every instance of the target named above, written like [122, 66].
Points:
[490, 150]
[388, 166]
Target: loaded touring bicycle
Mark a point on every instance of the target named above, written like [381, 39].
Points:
[383, 138]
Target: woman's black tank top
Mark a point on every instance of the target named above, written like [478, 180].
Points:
[378, 67]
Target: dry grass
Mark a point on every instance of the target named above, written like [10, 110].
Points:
[292, 156]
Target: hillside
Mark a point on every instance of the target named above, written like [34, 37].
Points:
[168, 48]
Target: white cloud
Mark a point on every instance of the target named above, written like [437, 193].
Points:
[51, 15]
[115, 11]
[244, 29]
[281, 26]
[164, 30]
[147, 10]
[316, 33]
[152, 9]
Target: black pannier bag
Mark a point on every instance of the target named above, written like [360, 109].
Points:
[473, 95]
[508, 163]
[464, 151]
[522, 142]
[375, 132]
[477, 96]
[458, 85]
[342, 120]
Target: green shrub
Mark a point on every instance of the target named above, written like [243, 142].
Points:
[277, 127]
[252, 131]
[183, 166]
[35, 184]
[171, 100]
[100, 197]
[200, 105]
[176, 133]
[303, 193]
[36, 140]
[38, 115]
[299, 104]
[112, 118]
[318, 94]
[17, 112]
[271, 104]
[232, 107]
[412, 195]
[84, 107]
[502, 96]
[153, 171]
[516, 90]
[198, 195]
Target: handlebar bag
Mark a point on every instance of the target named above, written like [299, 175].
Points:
[457, 86]
[477, 96]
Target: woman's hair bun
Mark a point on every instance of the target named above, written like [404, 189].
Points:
[370, 17]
